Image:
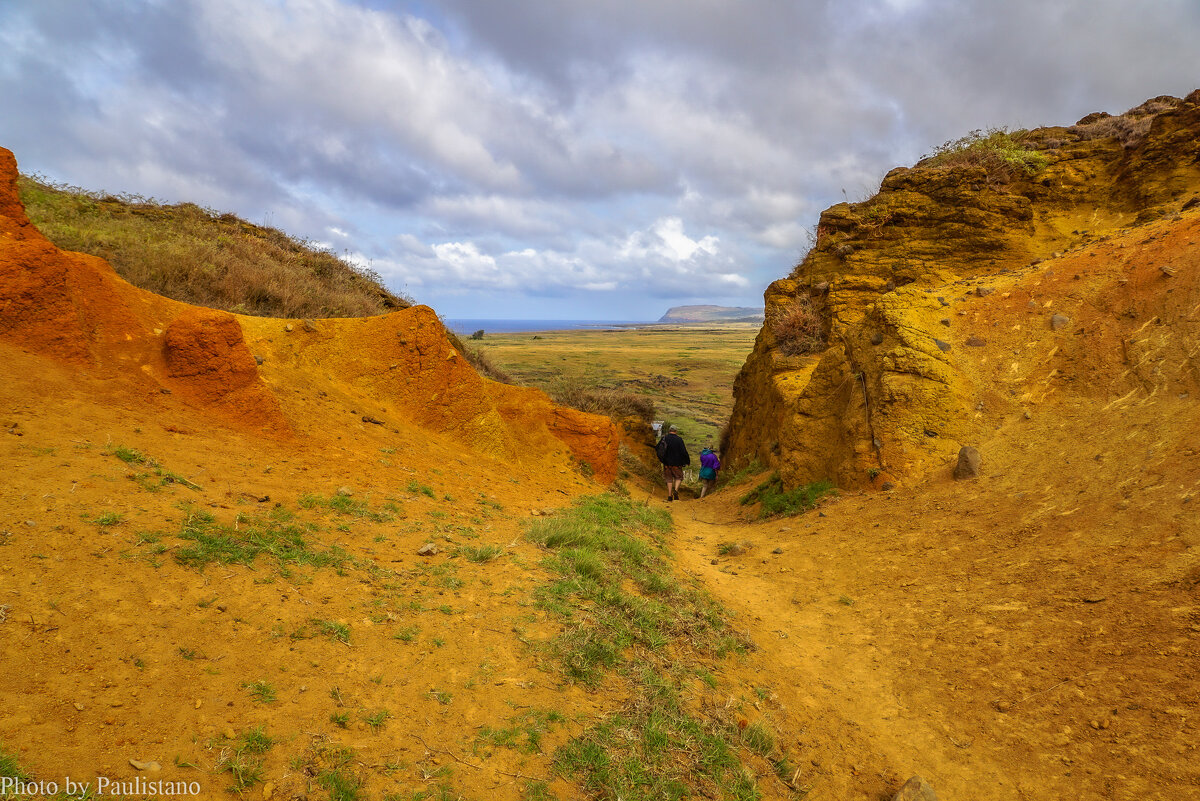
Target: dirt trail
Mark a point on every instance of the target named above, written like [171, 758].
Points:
[984, 635]
[834, 677]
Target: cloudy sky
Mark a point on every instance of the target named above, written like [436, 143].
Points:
[558, 159]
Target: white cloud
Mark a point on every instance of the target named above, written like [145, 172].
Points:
[618, 150]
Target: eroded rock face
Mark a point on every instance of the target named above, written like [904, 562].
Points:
[75, 309]
[208, 361]
[903, 282]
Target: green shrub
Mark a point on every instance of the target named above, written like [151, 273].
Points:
[1002, 153]
[775, 500]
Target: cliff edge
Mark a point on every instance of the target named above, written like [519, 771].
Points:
[1005, 273]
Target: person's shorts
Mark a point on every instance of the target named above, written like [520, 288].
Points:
[673, 472]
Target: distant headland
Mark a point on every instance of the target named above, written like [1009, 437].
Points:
[713, 314]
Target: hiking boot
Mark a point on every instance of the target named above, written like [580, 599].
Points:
[668, 499]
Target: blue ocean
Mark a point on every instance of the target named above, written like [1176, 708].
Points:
[464, 327]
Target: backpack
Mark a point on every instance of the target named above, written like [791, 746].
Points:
[661, 449]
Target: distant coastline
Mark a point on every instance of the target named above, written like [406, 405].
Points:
[466, 327]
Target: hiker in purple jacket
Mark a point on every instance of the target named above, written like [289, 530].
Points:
[709, 465]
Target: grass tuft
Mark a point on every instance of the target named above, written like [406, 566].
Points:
[261, 691]
[275, 535]
[480, 554]
[243, 761]
[10, 768]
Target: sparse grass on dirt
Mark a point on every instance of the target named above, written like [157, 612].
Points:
[525, 733]
[145, 480]
[242, 760]
[745, 474]
[203, 257]
[626, 614]
[335, 768]
[346, 505]
[276, 535]
[774, 500]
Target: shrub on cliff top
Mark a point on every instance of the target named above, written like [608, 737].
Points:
[1002, 153]
[1129, 128]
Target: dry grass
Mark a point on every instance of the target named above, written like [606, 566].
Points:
[480, 361]
[798, 330]
[616, 403]
[1129, 128]
[201, 257]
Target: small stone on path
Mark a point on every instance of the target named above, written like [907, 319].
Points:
[968, 463]
[152, 767]
[428, 549]
[915, 789]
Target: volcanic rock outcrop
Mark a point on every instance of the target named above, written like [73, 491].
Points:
[265, 375]
[969, 291]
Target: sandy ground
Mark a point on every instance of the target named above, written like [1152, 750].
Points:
[1033, 633]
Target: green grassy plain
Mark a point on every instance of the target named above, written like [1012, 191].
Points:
[687, 370]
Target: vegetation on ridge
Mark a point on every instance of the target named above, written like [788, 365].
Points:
[205, 258]
[1002, 153]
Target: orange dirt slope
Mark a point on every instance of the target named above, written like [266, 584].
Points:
[75, 308]
[130, 422]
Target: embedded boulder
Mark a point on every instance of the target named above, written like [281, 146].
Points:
[208, 362]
